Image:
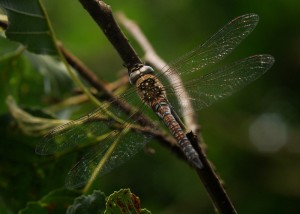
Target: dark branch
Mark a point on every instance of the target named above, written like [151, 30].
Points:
[102, 15]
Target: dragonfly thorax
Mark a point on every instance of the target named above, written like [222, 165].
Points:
[138, 72]
[149, 88]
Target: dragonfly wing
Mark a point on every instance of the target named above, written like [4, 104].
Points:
[214, 86]
[214, 49]
[87, 128]
[98, 130]
[108, 154]
[205, 88]
[75, 133]
[90, 128]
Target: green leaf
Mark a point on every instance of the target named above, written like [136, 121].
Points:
[124, 202]
[4, 208]
[28, 24]
[55, 202]
[94, 203]
[57, 80]
[10, 65]
[24, 175]
[7, 46]
[19, 79]
[19, 68]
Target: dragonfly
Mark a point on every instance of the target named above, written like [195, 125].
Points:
[201, 76]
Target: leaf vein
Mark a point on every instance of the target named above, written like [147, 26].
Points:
[25, 13]
[29, 33]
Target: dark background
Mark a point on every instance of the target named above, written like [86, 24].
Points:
[252, 137]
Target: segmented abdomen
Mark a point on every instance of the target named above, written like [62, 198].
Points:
[162, 108]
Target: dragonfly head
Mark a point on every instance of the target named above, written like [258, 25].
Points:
[138, 72]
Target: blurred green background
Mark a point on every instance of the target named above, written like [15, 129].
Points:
[252, 137]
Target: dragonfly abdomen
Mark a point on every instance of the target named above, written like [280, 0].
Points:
[162, 108]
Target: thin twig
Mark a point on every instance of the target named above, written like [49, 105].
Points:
[152, 57]
[71, 101]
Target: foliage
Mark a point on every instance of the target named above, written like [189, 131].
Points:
[93, 203]
[54, 202]
[123, 201]
[29, 27]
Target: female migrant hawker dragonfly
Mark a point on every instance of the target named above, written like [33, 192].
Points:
[112, 137]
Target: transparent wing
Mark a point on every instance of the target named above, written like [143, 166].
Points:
[99, 127]
[214, 49]
[88, 129]
[209, 88]
[75, 133]
[113, 142]
[85, 129]
[188, 72]
[127, 144]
